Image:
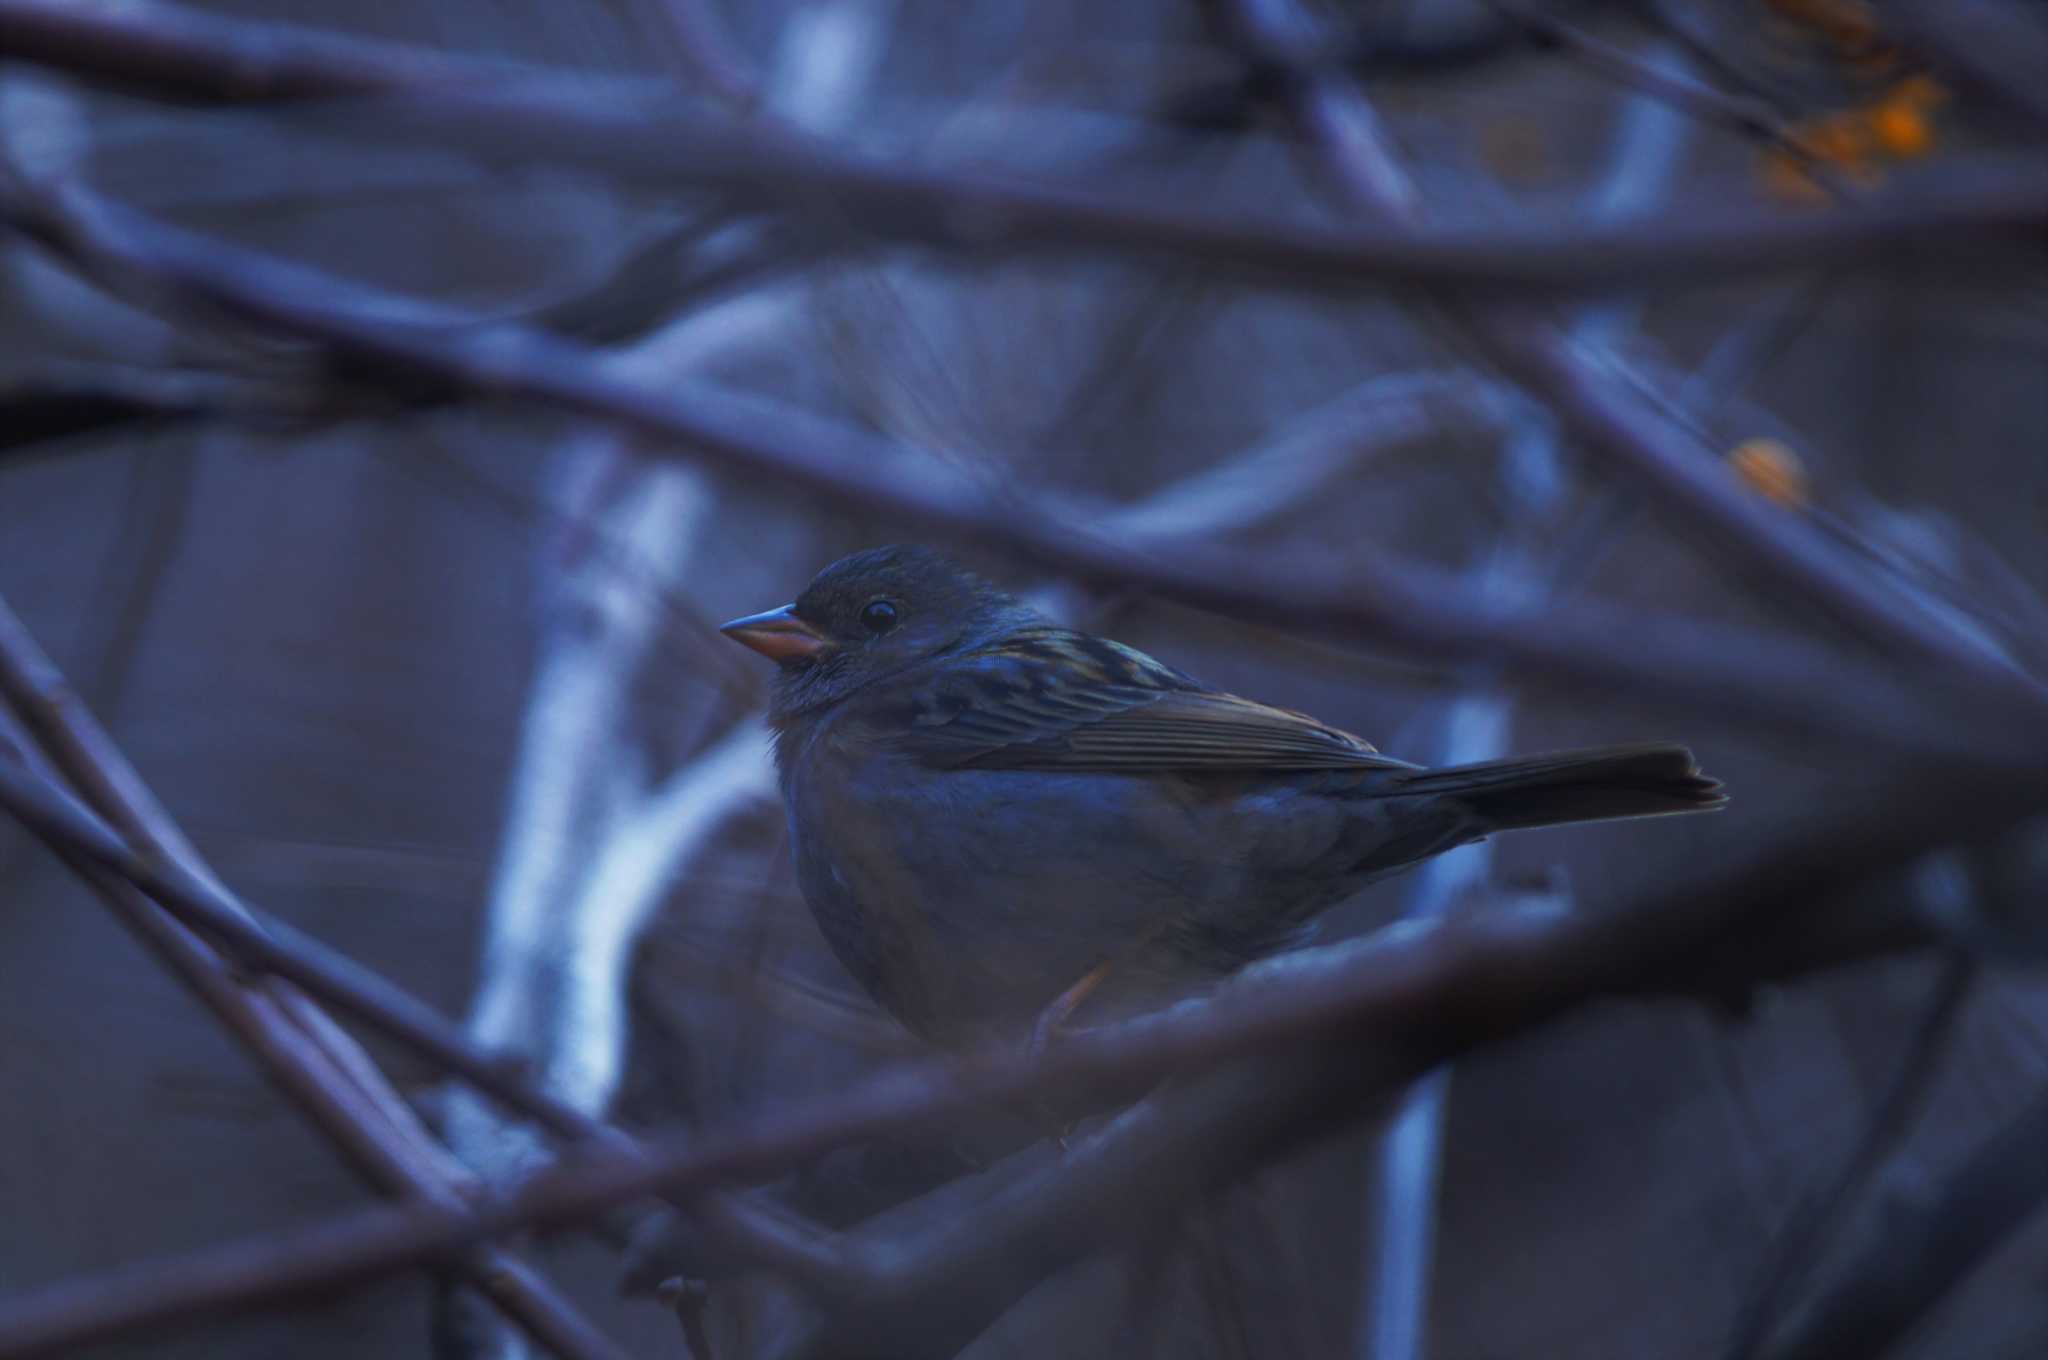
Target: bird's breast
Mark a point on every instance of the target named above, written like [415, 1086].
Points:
[963, 898]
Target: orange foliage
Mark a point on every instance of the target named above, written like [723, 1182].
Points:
[1857, 142]
[1772, 470]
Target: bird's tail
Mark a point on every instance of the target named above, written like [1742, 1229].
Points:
[1574, 786]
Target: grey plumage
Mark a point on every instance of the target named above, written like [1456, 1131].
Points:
[986, 807]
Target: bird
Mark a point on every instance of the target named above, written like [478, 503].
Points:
[1002, 825]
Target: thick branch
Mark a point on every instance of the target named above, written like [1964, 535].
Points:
[959, 1257]
[1612, 411]
[627, 128]
[1413, 995]
[60, 400]
[188, 53]
[137, 884]
[1785, 685]
[313, 1062]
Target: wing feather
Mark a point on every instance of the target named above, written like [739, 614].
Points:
[1049, 699]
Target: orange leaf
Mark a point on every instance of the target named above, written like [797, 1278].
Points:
[1772, 470]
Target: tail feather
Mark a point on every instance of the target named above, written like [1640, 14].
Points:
[1589, 785]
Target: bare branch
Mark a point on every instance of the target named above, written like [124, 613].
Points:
[39, 695]
[1933, 1238]
[625, 130]
[277, 948]
[1746, 115]
[1306, 458]
[1999, 47]
[1794, 688]
[1605, 405]
[315, 1063]
[57, 400]
[173, 50]
[1950, 732]
[707, 51]
[1799, 1246]
[1398, 1002]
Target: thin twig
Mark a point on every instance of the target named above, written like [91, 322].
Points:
[38, 693]
[452, 477]
[1597, 405]
[1798, 1248]
[1604, 413]
[1750, 117]
[273, 946]
[1932, 1238]
[1603, 403]
[316, 1065]
[1675, 17]
[56, 400]
[1999, 48]
[629, 130]
[1409, 997]
[1790, 686]
[707, 49]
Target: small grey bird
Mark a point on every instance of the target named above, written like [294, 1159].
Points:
[996, 819]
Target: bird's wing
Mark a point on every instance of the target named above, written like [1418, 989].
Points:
[1049, 699]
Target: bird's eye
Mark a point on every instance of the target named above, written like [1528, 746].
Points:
[878, 616]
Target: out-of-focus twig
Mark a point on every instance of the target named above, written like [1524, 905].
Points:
[706, 50]
[50, 401]
[1999, 47]
[1742, 114]
[138, 883]
[1704, 44]
[1304, 459]
[1408, 997]
[274, 947]
[1393, 1325]
[1799, 1246]
[622, 130]
[1413, 998]
[175, 50]
[1605, 413]
[596, 836]
[455, 478]
[1598, 399]
[1795, 687]
[1932, 1237]
[315, 1062]
[1598, 405]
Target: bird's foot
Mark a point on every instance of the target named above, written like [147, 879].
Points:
[1052, 1021]
[1047, 1029]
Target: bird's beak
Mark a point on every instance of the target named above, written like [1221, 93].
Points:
[778, 634]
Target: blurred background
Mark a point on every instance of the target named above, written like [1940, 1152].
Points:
[430, 673]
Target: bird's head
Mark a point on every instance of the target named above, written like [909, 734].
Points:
[873, 615]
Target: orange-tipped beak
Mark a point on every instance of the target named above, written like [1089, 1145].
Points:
[778, 634]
